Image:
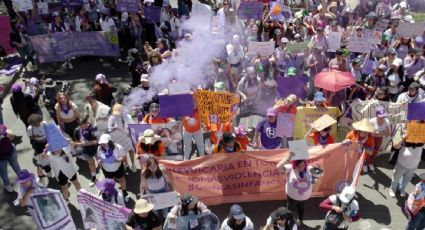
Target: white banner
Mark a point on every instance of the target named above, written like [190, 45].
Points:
[22, 5]
[99, 214]
[334, 41]
[360, 44]
[410, 30]
[261, 48]
[50, 211]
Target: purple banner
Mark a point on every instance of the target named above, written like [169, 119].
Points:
[71, 3]
[416, 111]
[136, 130]
[59, 47]
[131, 6]
[176, 105]
[292, 85]
[152, 13]
[249, 9]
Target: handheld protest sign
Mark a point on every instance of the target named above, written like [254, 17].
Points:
[323, 122]
[300, 149]
[415, 132]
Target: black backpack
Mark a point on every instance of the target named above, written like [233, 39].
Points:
[334, 219]
[6, 148]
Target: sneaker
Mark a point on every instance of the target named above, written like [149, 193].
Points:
[9, 188]
[70, 66]
[365, 168]
[371, 167]
[92, 183]
[403, 194]
[392, 193]
[133, 168]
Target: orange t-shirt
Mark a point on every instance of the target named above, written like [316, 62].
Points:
[315, 136]
[226, 127]
[148, 119]
[192, 124]
[158, 152]
[369, 143]
[244, 141]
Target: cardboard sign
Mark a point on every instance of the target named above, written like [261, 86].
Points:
[43, 7]
[250, 9]
[55, 138]
[300, 149]
[360, 44]
[99, 214]
[216, 107]
[260, 48]
[162, 200]
[416, 111]
[323, 122]
[176, 105]
[415, 132]
[285, 124]
[374, 35]
[50, 212]
[334, 41]
[411, 30]
[298, 47]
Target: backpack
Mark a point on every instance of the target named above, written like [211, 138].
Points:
[334, 219]
[6, 148]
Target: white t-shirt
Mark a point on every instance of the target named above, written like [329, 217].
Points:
[117, 153]
[37, 133]
[248, 226]
[70, 113]
[269, 223]
[59, 164]
[107, 25]
[380, 128]
[410, 157]
[298, 188]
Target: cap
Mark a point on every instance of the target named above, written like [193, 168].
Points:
[188, 198]
[236, 38]
[371, 15]
[292, 98]
[55, 14]
[284, 40]
[219, 85]
[107, 186]
[292, 71]
[397, 62]
[100, 77]
[117, 110]
[104, 138]
[154, 106]
[33, 81]
[339, 52]
[281, 213]
[392, 51]
[124, 16]
[16, 88]
[380, 111]
[277, 31]
[347, 194]
[24, 176]
[333, 23]
[414, 85]
[402, 4]
[144, 78]
[271, 112]
[363, 125]
[356, 61]
[318, 96]
[236, 212]
[358, 28]
[297, 36]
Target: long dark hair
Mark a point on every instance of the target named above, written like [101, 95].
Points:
[111, 146]
[231, 222]
[153, 148]
[185, 209]
[147, 173]
[400, 72]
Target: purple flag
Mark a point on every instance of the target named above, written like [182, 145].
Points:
[136, 130]
[292, 85]
[416, 111]
[176, 105]
[152, 13]
[248, 10]
[131, 6]
[59, 47]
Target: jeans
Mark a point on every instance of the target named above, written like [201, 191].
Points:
[187, 142]
[13, 161]
[401, 177]
[417, 222]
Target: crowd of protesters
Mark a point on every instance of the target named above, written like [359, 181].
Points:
[393, 71]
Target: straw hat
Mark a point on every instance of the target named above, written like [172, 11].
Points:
[142, 206]
[292, 98]
[149, 137]
[363, 125]
[117, 110]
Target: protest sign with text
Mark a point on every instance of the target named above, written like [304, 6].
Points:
[61, 46]
[334, 41]
[216, 107]
[374, 35]
[285, 124]
[253, 176]
[298, 47]
[416, 111]
[360, 44]
[163, 199]
[415, 132]
[100, 214]
[50, 211]
[260, 48]
[250, 9]
[131, 6]
[410, 30]
[22, 5]
[152, 14]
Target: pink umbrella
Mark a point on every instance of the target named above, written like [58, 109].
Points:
[334, 80]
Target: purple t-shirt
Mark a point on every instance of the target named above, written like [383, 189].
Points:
[268, 134]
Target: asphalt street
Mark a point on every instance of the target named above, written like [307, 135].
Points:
[377, 209]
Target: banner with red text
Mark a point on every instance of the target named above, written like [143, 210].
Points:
[252, 176]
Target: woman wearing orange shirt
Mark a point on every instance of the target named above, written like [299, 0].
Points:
[149, 144]
[321, 137]
[241, 137]
[153, 116]
[362, 134]
[218, 129]
[192, 129]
